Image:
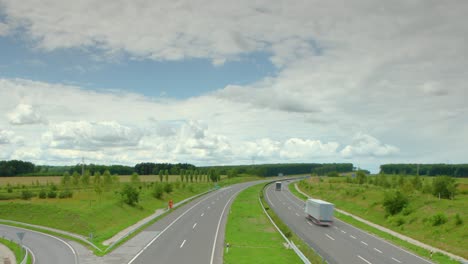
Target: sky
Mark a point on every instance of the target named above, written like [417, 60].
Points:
[234, 82]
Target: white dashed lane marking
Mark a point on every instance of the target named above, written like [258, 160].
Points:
[364, 243]
[181, 245]
[376, 249]
[329, 237]
[368, 262]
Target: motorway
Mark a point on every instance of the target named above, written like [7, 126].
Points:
[45, 249]
[193, 233]
[339, 243]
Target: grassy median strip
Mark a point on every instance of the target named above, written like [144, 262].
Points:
[437, 257]
[251, 236]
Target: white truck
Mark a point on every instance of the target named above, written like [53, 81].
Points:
[319, 212]
[278, 186]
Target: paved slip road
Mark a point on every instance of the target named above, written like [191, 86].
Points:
[339, 243]
[45, 249]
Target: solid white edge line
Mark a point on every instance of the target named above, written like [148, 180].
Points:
[219, 224]
[368, 262]
[32, 254]
[59, 239]
[167, 227]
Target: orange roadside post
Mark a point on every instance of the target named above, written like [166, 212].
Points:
[170, 204]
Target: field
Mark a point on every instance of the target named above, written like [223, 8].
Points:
[438, 222]
[89, 212]
[252, 237]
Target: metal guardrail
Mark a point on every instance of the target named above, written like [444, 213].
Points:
[291, 244]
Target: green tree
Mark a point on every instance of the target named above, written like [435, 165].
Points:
[130, 195]
[97, 178]
[158, 190]
[76, 178]
[416, 182]
[161, 175]
[394, 202]
[361, 177]
[85, 178]
[107, 179]
[444, 187]
[66, 180]
[166, 174]
[182, 171]
[135, 179]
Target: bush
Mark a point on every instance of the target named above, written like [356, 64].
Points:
[168, 188]
[65, 194]
[52, 194]
[444, 186]
[43, 194]
[394, 202]
[458, 220]
[158, 191]
[130, 195]
[26, 194]
[438, 219]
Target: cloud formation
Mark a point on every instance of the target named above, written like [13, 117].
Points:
[25, 114]
[350, 78]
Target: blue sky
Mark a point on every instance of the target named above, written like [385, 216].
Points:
[83, 67]
[368, 83]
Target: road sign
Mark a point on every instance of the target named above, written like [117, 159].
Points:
[20, 235]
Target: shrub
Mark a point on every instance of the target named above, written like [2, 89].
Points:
[65, 194]
[397, 220]
[444, 186]
[438, 219]
[394, 202]
[130, 195]
[42, 194]
[458, 220]
[52, 194]
[26, 194]
[168, 188]
[158, 191]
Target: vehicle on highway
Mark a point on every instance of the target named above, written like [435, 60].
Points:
[278, 186]
[319, 212]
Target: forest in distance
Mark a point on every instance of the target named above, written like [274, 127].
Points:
[26, 168]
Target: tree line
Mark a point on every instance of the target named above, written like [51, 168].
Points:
[454, 170]
[267, 170]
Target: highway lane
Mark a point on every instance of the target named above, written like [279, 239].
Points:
[45, 248]
[339, 243]
[194, 234]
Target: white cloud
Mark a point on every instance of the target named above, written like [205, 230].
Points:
[366, 145]
[396, 71]
[25, 114]
[4, 29]
[91, 135]
[6, 137]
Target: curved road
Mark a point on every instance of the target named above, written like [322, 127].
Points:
[46, 249]
[339, 243]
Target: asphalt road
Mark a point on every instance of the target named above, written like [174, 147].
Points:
[192, 234]
[46, 249]
[339, 243]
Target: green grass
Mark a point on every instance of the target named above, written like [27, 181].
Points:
[252, 237]
[15, 248]
[365, 201]
[87, 213]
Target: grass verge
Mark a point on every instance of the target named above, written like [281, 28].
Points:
[15, 248]
[437, 257]
[251, 236]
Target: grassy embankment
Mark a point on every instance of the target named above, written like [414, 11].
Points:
[16, 249]
[252, 237]
[89, 212]
[416, 220]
